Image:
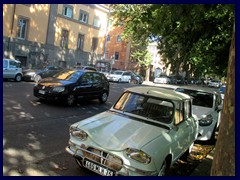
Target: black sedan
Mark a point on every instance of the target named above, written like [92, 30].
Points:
[71, 85]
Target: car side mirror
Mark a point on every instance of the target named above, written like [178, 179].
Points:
[219, 108]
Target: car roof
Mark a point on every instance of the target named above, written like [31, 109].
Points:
[13, 60]
[199, 88]
[159, 92]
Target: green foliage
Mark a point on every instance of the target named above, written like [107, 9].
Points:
[194, 38]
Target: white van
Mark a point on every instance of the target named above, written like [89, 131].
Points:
[12, 69]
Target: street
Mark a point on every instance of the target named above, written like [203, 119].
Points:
[35, 134]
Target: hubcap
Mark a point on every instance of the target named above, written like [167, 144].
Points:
[104, 97]
[70, 99]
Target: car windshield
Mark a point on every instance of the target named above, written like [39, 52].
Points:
[151, 108]
[200, 98]
[69, 75]
[117, 72]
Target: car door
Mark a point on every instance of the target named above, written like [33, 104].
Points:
[5, 69]
[97, 87]
[84, 89]
[181, 132]
[126, 76]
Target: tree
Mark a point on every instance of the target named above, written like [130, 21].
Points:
[194, 37]
[224, 156]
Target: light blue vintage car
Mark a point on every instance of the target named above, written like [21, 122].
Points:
[144, 133]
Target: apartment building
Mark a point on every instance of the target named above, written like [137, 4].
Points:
[57, 34]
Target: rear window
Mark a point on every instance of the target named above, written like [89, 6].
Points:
[200, 98]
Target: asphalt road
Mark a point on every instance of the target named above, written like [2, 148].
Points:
[35, 134]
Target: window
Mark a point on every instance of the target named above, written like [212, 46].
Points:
[108, 37]
[68, 11]
[22, 28]
[94, 43]
[64, 39]
[80, 41]
[116, 55]
[83, 16]
[188, 109]
[96, 22]
[178, 113]
[118, 38]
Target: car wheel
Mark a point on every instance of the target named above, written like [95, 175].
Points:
[70, 100]
[18, 77]
[119, 80]
[164, 169]
[37, 78]
[103, 98]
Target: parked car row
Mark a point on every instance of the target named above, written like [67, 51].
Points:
[164, 79]
[144, 132]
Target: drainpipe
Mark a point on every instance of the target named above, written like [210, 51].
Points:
[11, 32]
[105, 43]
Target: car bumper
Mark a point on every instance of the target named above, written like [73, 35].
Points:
[28, 78]
[50, 96]
[126, 170]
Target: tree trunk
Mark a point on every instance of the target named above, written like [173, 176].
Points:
[224, 156]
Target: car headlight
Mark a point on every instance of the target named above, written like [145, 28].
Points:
[206, 121]
[138, 155]
[78, 132]
[58, 89]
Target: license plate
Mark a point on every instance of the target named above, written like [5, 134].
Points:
[41, 92]
[98, 168]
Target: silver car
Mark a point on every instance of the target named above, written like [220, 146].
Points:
[144, 133]
[119, 76]
[12, 69]
[207, 106]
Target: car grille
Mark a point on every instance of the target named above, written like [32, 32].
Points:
[45, 88]
[109, 160]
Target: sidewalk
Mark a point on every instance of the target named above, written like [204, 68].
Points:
[204, 168]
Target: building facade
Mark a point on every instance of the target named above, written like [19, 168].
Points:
[56, 34]
[117, 50]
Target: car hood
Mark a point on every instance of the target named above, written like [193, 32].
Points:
[117, 132]
[200, 111]
[51, 81]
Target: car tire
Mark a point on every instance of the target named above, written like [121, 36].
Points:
[164, 169]
[71, 99]
[119, 80]
[37, 78]
[103, 97]
[18, 78]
